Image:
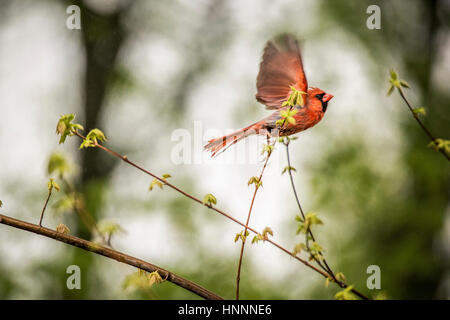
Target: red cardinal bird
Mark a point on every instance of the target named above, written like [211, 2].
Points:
[281, 68]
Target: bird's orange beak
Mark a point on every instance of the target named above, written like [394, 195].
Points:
[327, 97]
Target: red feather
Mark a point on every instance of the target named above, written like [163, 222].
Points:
[281, 67]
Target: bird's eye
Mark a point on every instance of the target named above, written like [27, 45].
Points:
[320, 96]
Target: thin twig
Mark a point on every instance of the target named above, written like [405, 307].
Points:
[425, 129]
[45, 206]
[126, 160]
[309, 232]
[79, 208]
[112, 254]
[244, 238]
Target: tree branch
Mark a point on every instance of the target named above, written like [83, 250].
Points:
[325, 267]
[110, 253]
[165, 182]
[309, 232]
[425, 129]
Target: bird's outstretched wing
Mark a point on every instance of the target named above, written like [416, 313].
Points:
[281, 67]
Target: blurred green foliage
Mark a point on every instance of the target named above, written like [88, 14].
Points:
[398, 218]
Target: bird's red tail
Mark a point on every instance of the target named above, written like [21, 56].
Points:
[222, 143]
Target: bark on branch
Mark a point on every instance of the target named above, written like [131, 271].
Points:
[110, 253]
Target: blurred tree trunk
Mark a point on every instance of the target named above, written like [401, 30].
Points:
[102, 37]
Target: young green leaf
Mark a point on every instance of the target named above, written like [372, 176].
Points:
[58, 164]
[287, 116]
[327, 281]
[404, 84]
[92, 138]
[288, 113]
[95, 134]
[396, 82]
[135, 281]
[154, 183]
[267, 148]
[288, 168]
[166, 176]
[313, 218]
[266, 232]
[390, 90]
[394, 75]
[301, 228]
[298, 248]
[241, 236]
[291, 120]
[154, 277]
[209, 200]
[52, 184]
[64, 204]
[86, 144]
[261, 236]
[310, 220]
[315, 248]
[109, 228]
[340, 277]
[256, 238]
[440, 144]
[65, 127]
[419, 111]
[255, 181]
[295, 98]
[142, 280]
[345, 294]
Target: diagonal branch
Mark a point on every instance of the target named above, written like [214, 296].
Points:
[425, 129]
[110, 253]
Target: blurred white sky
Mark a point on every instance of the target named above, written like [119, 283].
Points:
[40, 78]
